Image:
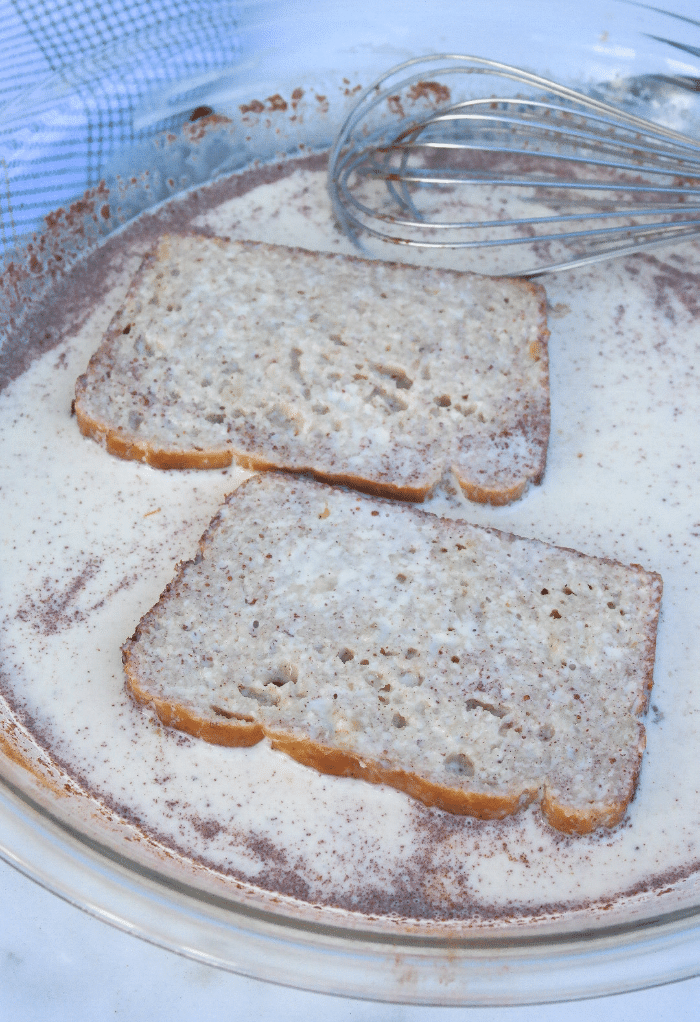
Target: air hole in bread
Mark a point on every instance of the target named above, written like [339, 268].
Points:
[345, 655]
[545, 733]
[282, 417]
[466, 410]
[282, 675]
[223, 713]
[411, 653]
[220, 712]
[392, 403]
[410, 679]
[402, 380]
[217, 419]
[458, 763]
[398, 720]
[497, 711]
[261, 696]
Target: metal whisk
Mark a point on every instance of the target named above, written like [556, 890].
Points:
[526, 162]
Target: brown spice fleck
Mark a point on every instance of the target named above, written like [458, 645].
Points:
[434, 92]
[200, 111]
[276, 102]
[254, 107]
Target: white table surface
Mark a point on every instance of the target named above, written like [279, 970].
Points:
[58, 963]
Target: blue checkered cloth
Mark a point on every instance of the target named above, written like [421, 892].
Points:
[77, 80]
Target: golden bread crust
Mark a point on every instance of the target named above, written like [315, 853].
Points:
[328, 760]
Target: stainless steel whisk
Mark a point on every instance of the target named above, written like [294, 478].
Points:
[531, 164]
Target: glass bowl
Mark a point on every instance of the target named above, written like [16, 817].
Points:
[131, 123]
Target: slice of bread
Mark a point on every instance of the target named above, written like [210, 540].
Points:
[475, 670]
[372, 374]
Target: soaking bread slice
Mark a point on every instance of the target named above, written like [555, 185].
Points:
[372, 374]
[472, 669]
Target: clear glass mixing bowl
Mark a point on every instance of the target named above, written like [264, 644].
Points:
[87, 135]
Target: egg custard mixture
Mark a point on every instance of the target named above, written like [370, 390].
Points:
[89, 542]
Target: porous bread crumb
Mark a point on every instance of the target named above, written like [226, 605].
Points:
[473, 669]
[374, 374]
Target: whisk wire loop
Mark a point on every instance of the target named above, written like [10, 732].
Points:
[553, 160]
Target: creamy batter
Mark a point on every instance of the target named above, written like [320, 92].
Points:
[90, 541]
